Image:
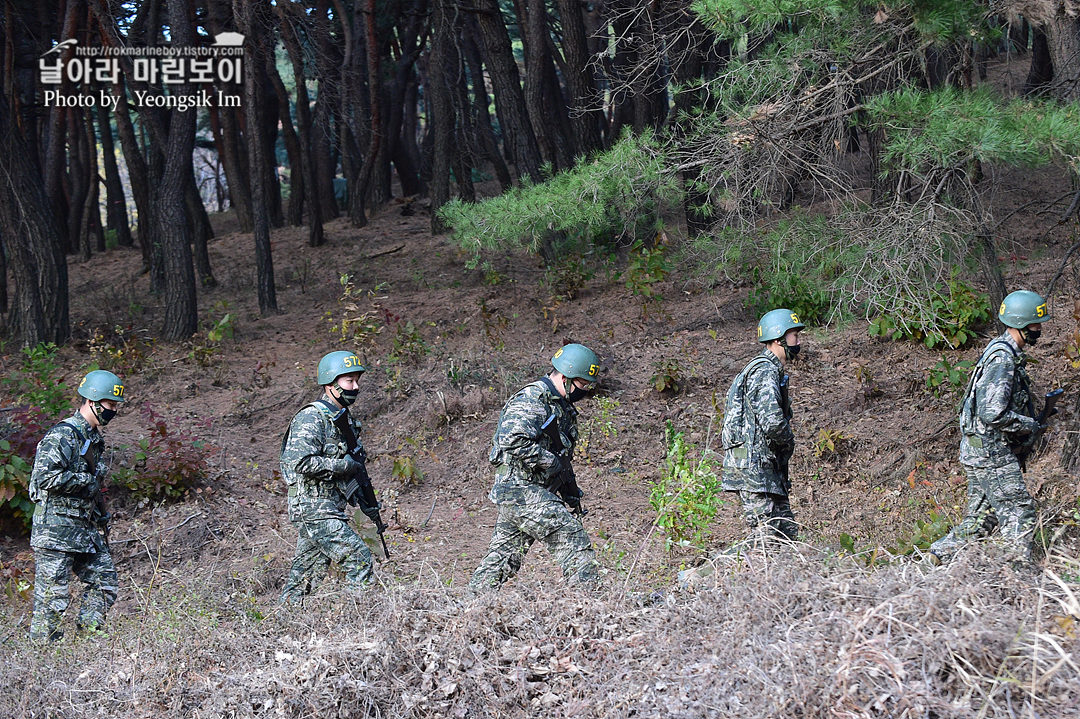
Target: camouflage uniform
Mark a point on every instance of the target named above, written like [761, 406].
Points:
[313, 465]
[65, 537]
[996, 413]
[527, 510]
[758, 442]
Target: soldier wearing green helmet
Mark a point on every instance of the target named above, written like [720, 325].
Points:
[535, 487]
[316, 464]
[70, 515]
[997, 417]
[756, 438]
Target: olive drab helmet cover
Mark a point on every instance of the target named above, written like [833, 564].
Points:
[336, 364]
[102, 384]
[577, 362]
[1022, 308]
[776, 323]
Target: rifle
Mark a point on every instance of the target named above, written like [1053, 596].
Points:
[358, 490]
[101, 514]
[785, 407]
[566, 483]
[1049, 409]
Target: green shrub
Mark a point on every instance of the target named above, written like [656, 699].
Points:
[647, 267]
[36, 381]
[947, 376]
[688, 494]
[408, 345]
[949, 314]
[667, 376]
[166, 463]
[20, 436]
[615, 194]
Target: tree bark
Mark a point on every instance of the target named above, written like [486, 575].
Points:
[55, 134]
[170, 221]
[295, 214]
[506, 83]
[586, 118]
[322, 131]
[545, 111]
[264, 263]
[31, 241]
[303, 128]
[116, 203]
[440, 66]
[201, 232]
[1041, 71]
[138, 173]
[1063, 41]
[485, 133]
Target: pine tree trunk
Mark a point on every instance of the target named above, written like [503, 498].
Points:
[201, 232]
[295, 214]
[256, 148]
[485, 133]
[1041, 71]
[116, 210]
[1063, 41]
[138, 172]
[506, 83]
[586, 118]
[303, 130]
[31, 241]
[170, 220]
[440, 70]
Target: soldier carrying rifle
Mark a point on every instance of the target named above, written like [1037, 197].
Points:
[323, 463]
[998, 427]
[535, 487]
[70, 515]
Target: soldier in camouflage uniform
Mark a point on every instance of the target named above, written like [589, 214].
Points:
[757, 438]
[531, 472]
[66, 486]
[997, 416]
[316, 465]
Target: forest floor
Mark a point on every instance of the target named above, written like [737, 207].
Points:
[197, 632]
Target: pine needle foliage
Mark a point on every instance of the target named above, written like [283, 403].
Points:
[949, 128]
[617, 193]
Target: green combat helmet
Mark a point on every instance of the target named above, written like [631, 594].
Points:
[1023, 308]
[776, 323]
[336, 364]
[577, 362]
[102, 384]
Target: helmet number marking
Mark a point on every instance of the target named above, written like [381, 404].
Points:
[118, 390]
[1040, 311]
[593, 369]
[350, 361]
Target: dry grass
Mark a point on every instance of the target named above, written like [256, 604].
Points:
[802, 633]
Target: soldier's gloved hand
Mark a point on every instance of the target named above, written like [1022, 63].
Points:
[572, 495]
[89, 489]
[352, 466]
[558, 468]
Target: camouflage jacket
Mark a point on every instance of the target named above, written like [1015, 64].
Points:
[997, 409]
[64, 488]
[521, 453]
[313, 464]
[756, 436]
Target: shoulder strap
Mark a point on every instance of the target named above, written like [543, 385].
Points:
[326, 406]
[340, 419]
[551, 385]
[84, 444]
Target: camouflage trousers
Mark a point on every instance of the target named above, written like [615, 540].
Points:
[51, 597]
[518, 526]
[321, 542]
[1002, 492]
[768, 515]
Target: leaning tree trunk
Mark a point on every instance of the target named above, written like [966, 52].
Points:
[506, 83]
[294, 216]
[32, 242]
[201, 231]
[587, 117]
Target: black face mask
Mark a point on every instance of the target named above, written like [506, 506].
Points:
[790, 351]
[1030, 336]
[104, 416]
[347, 396]
[576, 393]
